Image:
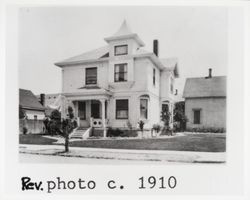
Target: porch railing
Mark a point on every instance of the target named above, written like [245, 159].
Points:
[97, 122]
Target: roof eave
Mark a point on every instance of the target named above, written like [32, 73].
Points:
[133, 35]
[78, 62]
[33, 108]
[196, 97]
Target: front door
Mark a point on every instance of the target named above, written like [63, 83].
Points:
[95, 109]
[82, 113]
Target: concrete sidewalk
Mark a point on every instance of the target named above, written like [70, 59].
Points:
[123, 154]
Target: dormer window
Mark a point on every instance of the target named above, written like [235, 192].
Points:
[121, 50]
[91, 76]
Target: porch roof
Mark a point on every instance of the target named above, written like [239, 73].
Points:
[88, 95]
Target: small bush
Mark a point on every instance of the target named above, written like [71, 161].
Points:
[206, 130]
[121, 133]
[25, 130]
[141, 125]
[156, 127]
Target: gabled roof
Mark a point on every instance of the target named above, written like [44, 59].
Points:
[29, 101]
[205, 87]
[100, 53]
[124, 32]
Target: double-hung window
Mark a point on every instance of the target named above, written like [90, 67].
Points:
[91, 76]
[121, 72]
[144, 108]
[122, 109]
[197, 116]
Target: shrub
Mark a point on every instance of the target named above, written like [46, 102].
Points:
[25, 130]
[179, 116]
[141, 125]
[156, 127]
[121, 133]
[206, 130]
[114, 132]
[129, 125]
[55, 115]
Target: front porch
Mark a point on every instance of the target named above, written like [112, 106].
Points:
[91, 114]
[90, 110]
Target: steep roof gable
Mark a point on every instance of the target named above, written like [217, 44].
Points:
[205, 87]
[124, 32]
[28, 100]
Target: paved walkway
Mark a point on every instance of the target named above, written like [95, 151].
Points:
[123, 154]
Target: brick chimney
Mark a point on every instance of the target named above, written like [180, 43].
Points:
[210, 73]
[42, 99]
[156, 47]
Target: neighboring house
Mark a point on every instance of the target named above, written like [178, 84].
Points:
[31, 111]
[205, 102]
[48, 101]
[119, 82]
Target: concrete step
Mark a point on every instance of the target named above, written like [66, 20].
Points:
[79, 132]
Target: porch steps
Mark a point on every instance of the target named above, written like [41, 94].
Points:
[79, 132]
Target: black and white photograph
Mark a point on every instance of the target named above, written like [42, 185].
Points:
[127, 99]
[106, 88]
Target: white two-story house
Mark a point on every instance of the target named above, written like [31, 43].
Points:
[120, 82]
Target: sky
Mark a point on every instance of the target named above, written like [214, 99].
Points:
[196, 36]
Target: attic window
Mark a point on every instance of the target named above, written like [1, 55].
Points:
[121, 50]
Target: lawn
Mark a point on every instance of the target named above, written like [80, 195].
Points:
[35, 139]
[193, 142]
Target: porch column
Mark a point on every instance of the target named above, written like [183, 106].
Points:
[103, 118]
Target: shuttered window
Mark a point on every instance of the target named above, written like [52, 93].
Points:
[122, 109]
[91, 76]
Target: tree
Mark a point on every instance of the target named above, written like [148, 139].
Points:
[179, 114]
[165, 117]
[68, 125]
[54, 125]
[141, 126]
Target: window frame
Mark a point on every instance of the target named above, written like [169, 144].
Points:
[194, 118]
[125, 72]
[120, 54]
[116, 110]
[145, 99]
[86, 79]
